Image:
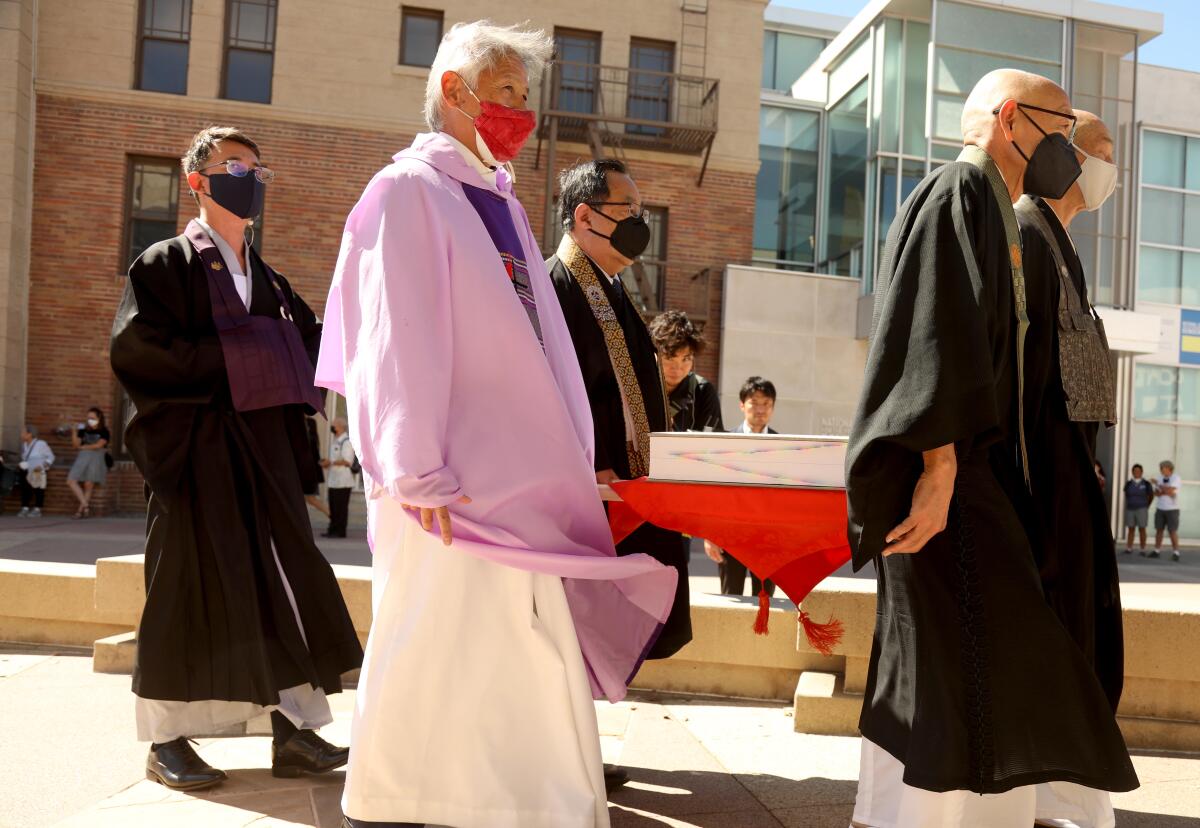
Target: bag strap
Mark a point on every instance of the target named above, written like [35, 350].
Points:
[976, 157]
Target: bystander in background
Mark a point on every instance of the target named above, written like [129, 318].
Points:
[1138, 494]
[91, 465]
[1166, 509]
[36, 460]
[340, 479]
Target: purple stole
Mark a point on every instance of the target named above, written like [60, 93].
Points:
[494, 213]
[265, 358]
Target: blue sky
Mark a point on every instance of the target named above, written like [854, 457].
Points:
[1175, 47]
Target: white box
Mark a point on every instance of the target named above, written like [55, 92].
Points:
[749, 459]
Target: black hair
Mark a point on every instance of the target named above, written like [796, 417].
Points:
[672, 331]
[100, 412]
[1136, 466]
[586, 181]
[757, 385]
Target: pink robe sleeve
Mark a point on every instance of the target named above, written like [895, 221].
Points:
[388, 340]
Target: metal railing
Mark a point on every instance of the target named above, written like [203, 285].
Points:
[628, 107]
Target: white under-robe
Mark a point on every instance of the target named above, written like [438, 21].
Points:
[474, 709]
[160, 721]
[884, 801]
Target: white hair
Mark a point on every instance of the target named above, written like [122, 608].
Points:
[471, 48]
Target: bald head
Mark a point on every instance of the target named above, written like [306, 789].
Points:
[1092, 136]
[1000, 85]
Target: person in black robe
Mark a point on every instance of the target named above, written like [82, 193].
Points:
[605, 231]
[1068, 527]
[242, 612]
[974, 686]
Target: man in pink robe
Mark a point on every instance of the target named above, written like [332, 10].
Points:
[492, 634]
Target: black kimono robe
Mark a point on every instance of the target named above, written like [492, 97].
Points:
[973, 682]
[1068, 525]
[608, 417]
[224, 487]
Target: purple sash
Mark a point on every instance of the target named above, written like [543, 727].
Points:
[265, 358]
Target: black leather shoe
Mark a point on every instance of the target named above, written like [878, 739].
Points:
[306, 752]
[615, 777]
[176, 765]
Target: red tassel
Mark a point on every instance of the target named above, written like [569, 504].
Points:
[764, 612]
[822, 637]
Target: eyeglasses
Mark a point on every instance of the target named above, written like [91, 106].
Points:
[239, 169]
[1074, 121]
[635, 210]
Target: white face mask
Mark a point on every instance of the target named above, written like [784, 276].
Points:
[1097, 181]
[93, 422]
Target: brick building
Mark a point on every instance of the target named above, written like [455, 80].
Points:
[106, 95]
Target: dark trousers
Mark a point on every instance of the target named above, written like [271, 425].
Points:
[733, 578]
[29, 495]
[339, 511]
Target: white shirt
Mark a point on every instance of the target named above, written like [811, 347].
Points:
[36, 455]
[241, 280]
[340, 477]
[487, 171]
[1168, 503]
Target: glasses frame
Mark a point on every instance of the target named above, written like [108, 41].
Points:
[1071, 117]
[640, 211]
[263, 174]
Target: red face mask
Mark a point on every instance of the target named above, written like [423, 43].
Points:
[504, 129]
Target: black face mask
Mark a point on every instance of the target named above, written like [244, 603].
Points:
[241, 196]
[630, 237]
[1053, 167]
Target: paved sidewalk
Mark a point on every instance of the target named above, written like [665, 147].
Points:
[70, 760]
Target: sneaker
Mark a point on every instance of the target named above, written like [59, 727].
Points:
[24, 512]
[1153, 554]
[35, 513]
[1127, 552]
[1175, 556]
[1142, 552]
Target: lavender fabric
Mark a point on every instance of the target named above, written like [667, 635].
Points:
[265, 358]
[449, 393]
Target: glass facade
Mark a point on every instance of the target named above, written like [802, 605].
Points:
[895, 104]
[785, 210]
[786, 56]
[1166, 397]
[1166, 426]
[1102, 82]
[846, 184]
[1169, 244]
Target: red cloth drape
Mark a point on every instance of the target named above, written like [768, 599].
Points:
[795, 537]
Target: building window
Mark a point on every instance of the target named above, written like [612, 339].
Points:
[648, 289]
[578, 80]
[786, 56]
[650, 88]
[785, 194]
[1169, 244]
[846, 185]
[420, 35]
[153, 203]
[1166, 426]
[250, 50]
[163, 36]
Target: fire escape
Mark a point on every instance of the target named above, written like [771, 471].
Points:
[613, 109]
